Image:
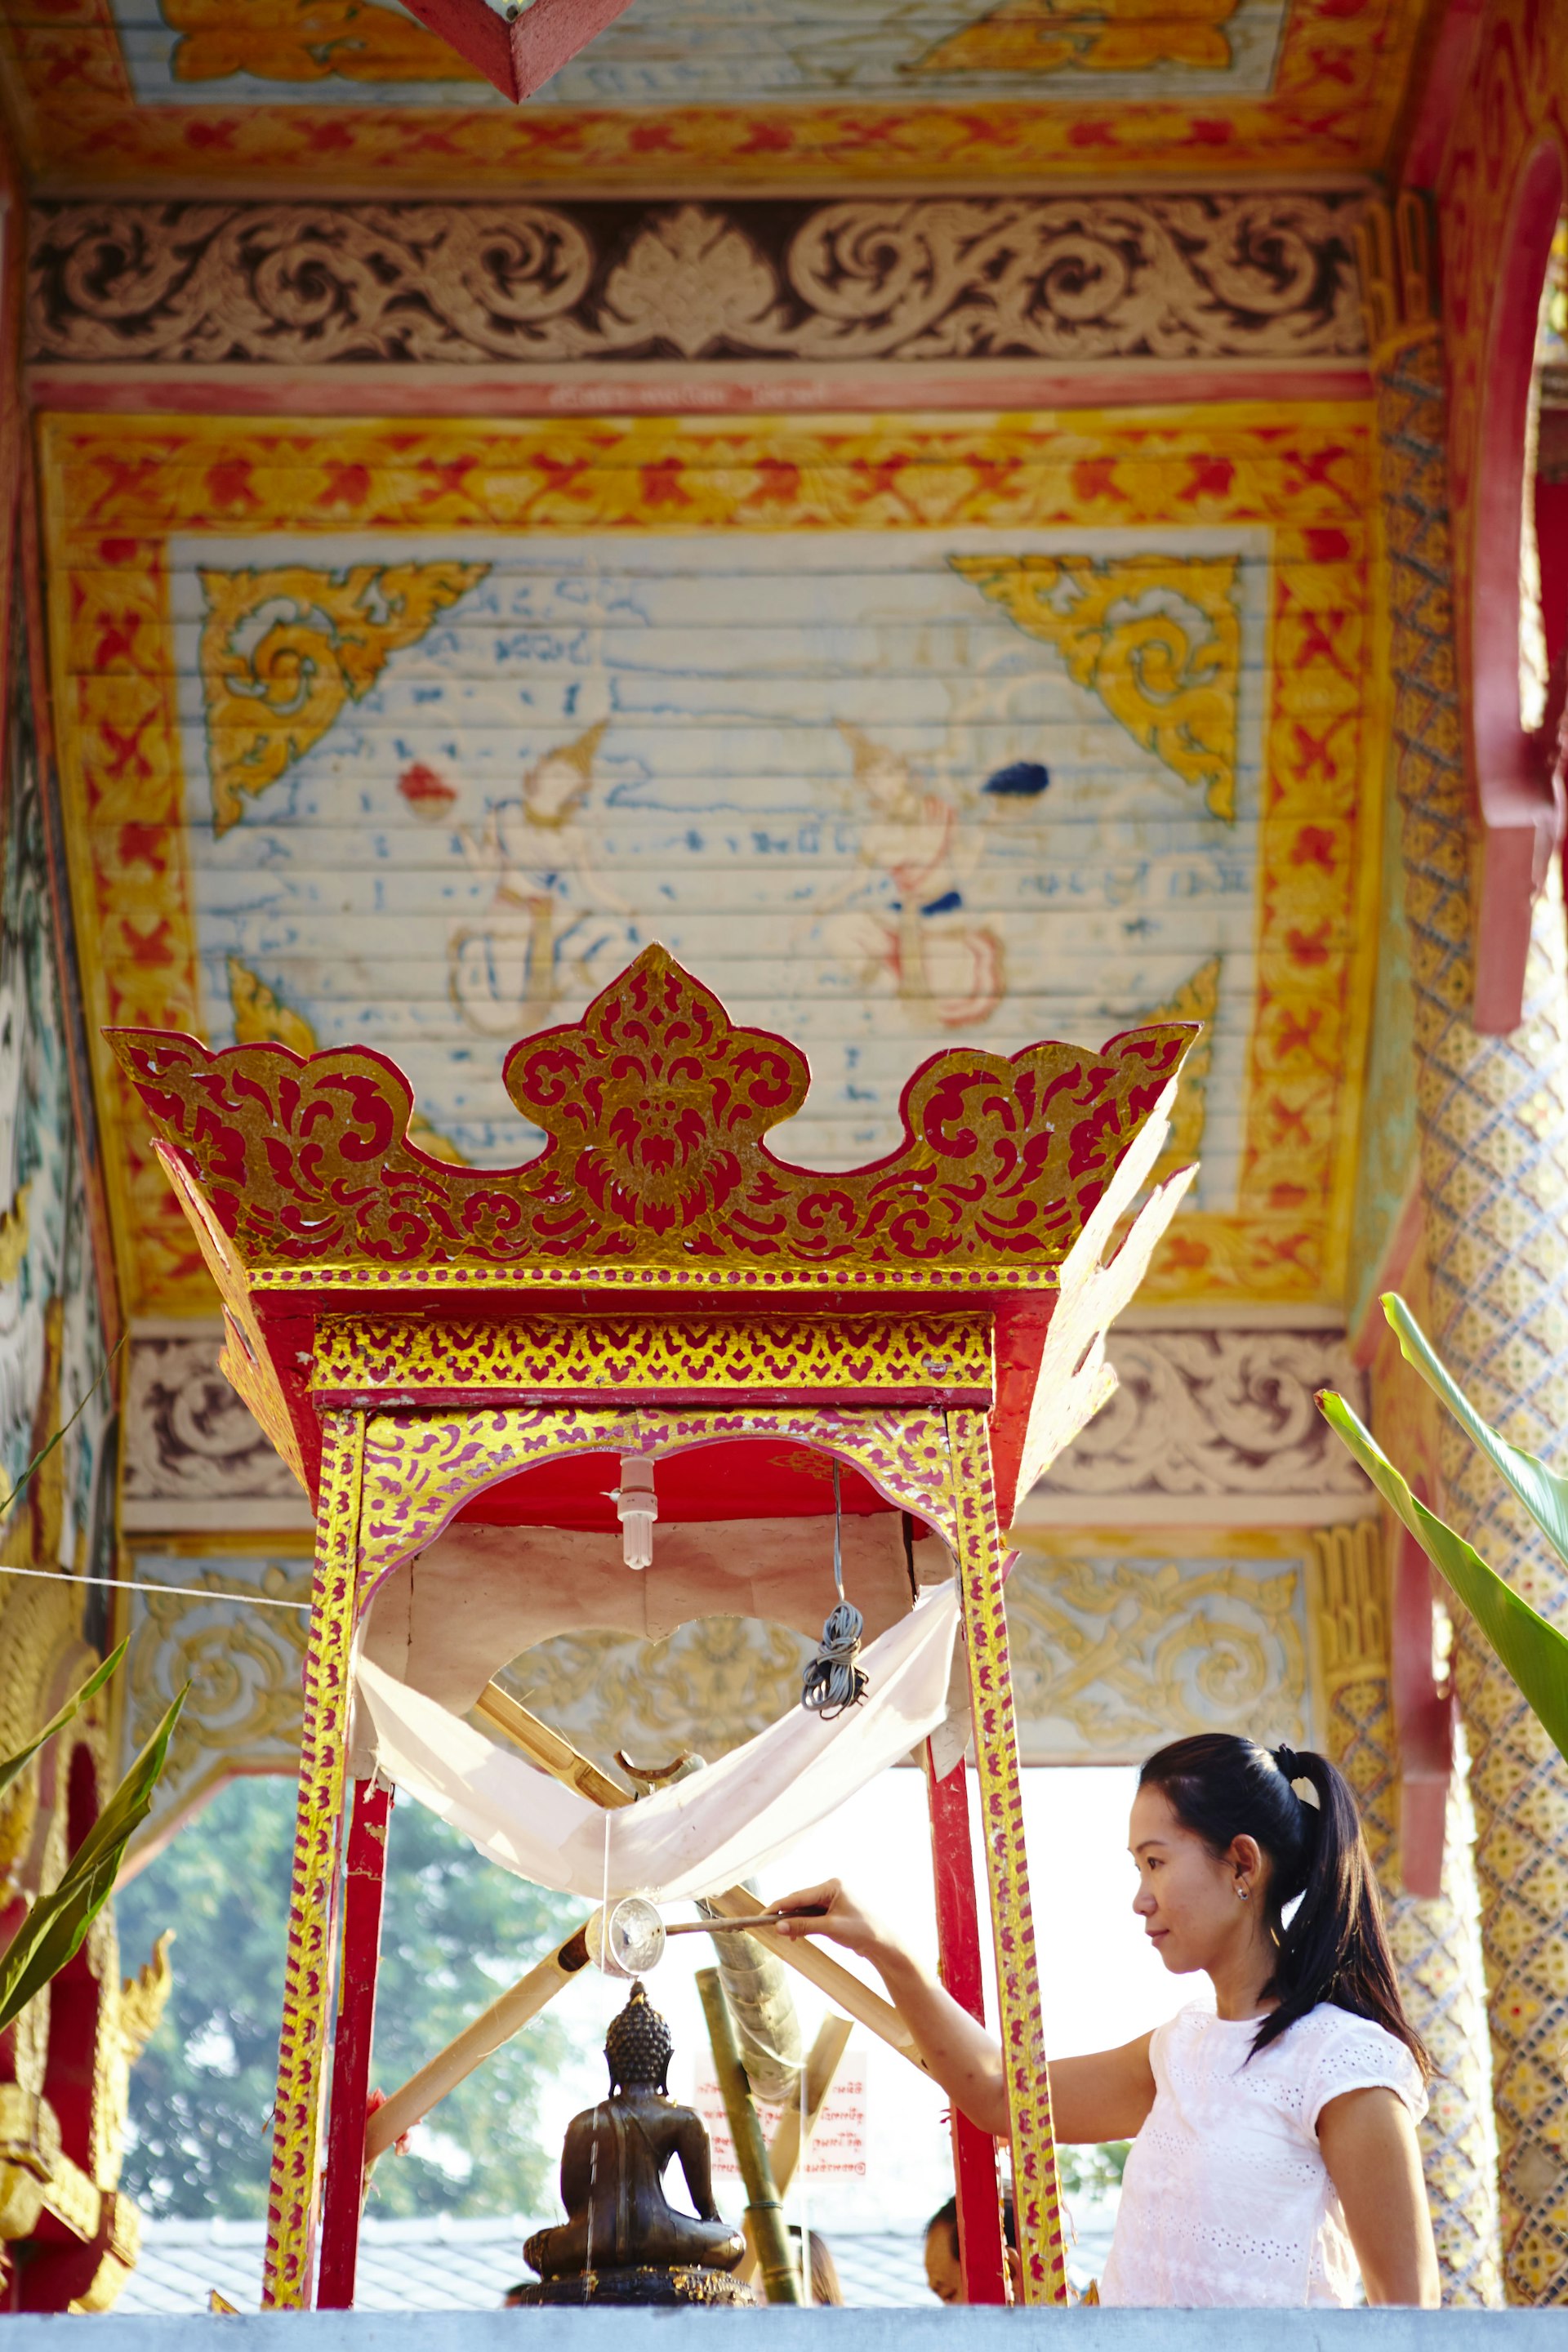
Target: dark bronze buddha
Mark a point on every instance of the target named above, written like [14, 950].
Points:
[621, 2239]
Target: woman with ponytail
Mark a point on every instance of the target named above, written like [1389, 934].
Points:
[1274, 2134]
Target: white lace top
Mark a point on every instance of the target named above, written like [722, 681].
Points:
[1226, 2198]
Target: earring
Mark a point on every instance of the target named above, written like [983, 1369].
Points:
[1243, 1894]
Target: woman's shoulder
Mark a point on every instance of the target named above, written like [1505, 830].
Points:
[1336, 2051]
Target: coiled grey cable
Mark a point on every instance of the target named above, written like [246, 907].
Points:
[833, 1682]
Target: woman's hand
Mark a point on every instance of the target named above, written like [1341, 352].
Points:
[828, 1910]
[959, 2053]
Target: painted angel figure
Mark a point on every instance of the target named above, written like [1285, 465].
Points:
[944, 965]
[541, 863]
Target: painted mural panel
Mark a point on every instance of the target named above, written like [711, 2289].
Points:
[243, 95]
[874, 789]
[725, 51]
[890, 731]
[52, 1344]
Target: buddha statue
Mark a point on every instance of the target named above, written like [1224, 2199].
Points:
[621, 2241]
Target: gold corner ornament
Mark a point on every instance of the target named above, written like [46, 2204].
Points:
[283, 651]
[656, 1109]
[1156, 637]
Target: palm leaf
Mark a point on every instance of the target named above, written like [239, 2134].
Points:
[53, 1930]
[1534, 1653]
[1543, 1493]
[13, 1767]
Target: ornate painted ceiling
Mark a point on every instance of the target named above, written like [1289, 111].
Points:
[253, 95]
[894, 731]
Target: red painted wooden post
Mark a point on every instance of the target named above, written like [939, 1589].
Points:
[364, 1879]
[979, 2241]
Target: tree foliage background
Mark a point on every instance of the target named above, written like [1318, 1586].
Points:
[456, 1931]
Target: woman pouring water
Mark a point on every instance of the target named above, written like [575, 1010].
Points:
[1274, 2149]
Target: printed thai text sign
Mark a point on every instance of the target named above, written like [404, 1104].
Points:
[839, 2145]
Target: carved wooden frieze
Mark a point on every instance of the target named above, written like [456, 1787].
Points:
[1258, 275]
[195, 1459]
[1214, 1427]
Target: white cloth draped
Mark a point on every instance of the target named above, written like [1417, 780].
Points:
[703, 1834]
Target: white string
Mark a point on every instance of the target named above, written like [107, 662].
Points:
[594, 2150]
[805, 2204]
[837, 1535]
[132, 1584]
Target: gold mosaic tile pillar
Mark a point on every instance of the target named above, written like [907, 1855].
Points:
[1435, 1939]
[1493, 1119]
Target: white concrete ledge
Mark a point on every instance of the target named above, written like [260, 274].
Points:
[890, 2330]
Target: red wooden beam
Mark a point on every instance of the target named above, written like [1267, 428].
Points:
[363, 1885]
[981, 2251]
[518, 46]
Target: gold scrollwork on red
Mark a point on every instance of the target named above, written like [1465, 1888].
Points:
[656, 1109]
[946, 1355]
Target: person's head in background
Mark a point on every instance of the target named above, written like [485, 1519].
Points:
[945, 2272]
[825, 2285]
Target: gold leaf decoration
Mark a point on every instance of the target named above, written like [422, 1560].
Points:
[1156, 637]
[261, 1015]
[283, 650]
[1043, 37]
[262, 1018]
[306, 40]
[1197, 999]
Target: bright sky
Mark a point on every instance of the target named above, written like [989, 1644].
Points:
[1100, 1982]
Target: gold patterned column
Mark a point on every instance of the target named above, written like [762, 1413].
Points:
[294, 2195]
[981, 1560]
[1493, 1122]
[1433, 1939]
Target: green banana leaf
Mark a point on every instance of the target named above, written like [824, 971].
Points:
[1543, 1493]
[1534, 1653]
[53, 1930]
[13, 1767]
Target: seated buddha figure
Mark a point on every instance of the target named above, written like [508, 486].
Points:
[612, 2166]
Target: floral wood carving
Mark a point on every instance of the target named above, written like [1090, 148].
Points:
[1255, 275]
[657, 1109]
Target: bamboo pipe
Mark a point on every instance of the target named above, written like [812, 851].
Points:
[764, 2215]
[785, 2147]
[546, 1748]
[818, 1967]
[505, 2016]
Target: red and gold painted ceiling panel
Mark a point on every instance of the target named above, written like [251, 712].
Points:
[899, 732]
[353, 94]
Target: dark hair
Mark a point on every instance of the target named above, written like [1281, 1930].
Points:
[1222, 1787]
[946, 2217]
[826, 2287]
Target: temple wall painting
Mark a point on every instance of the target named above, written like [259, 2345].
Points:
[1019, 697]
[52, 1334]
[64, 2068]
[354, 94]
[738, 51]
[554, 751]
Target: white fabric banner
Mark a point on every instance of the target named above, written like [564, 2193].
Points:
[704, 1835]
